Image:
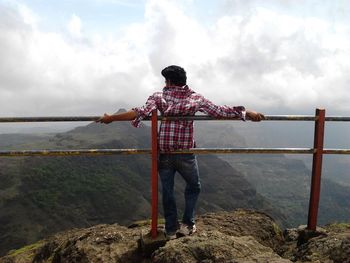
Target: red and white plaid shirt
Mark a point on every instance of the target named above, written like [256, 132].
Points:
[181, 101]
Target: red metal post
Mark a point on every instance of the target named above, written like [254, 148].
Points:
[316, 169]
[154, 178]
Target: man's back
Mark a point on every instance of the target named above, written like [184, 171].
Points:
[181, 101]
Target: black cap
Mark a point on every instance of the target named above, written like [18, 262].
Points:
[176, 74]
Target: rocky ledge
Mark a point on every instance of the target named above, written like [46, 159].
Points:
[238, 236]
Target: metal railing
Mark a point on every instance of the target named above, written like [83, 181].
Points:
[317, 151]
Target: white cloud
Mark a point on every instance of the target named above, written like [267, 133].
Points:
[27, 15]
[74, 26]
[259, 58]
[128, 3]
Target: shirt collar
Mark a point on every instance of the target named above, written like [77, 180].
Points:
[176, 88]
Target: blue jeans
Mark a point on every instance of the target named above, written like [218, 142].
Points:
[186, 165]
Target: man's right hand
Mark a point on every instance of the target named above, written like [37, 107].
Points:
[254, 116]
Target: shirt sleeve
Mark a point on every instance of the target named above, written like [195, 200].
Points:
[144, 111]
[217, 111]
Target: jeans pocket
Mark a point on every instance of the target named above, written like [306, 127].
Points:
[188, 157]
[164, 161]
[188, 161]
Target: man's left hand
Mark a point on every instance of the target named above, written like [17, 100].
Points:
[105, 119]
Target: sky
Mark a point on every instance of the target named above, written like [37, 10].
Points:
[88, 57]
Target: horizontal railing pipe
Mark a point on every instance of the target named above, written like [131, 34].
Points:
[195, 118]
[49, 119]
[337, 118]
[336, 151]
[18, 153]
[4, 153]
[247, 150]
[68, 152]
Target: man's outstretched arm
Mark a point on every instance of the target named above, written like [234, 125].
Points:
[124, 116]
[225, 111]
[131, 115]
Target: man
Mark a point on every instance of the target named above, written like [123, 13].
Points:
[177, 99]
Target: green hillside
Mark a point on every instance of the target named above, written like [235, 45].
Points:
[42, 195]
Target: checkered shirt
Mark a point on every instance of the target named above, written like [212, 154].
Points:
[181, 101]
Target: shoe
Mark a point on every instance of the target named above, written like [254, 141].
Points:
[171, 235]
[193, 230]
[186, 230]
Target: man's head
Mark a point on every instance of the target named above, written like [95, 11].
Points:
[175, 75]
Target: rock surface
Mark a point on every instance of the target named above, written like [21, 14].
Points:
[330, 243]
[214, 246]
[238, 236]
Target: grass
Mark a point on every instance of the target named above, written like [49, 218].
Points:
[339, 227]
[29, 250]
[148, 222]
[277, 230]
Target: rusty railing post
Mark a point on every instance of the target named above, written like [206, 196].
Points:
[316, 169]
[154, 178]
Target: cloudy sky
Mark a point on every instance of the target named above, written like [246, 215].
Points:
[87, 57]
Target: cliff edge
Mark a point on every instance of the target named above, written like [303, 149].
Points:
[237, 236]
